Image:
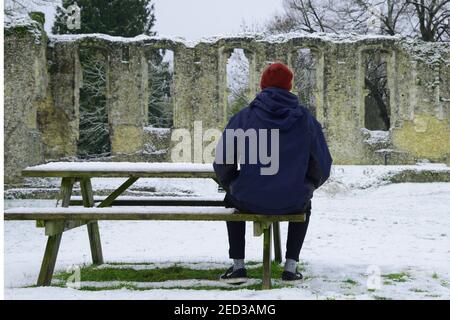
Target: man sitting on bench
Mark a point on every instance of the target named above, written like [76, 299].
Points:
[283, 157]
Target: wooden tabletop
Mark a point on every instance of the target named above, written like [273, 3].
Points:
[121, 169]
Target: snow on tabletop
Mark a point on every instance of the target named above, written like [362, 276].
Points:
[122, 167]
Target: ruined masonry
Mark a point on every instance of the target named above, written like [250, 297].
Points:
[43, 77]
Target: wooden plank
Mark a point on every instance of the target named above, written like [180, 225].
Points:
[140, 214]
[93, 230]
[158, 202]
[277, 242]
[110, 199]
[54, 227]
[267, 260]
[54, 241]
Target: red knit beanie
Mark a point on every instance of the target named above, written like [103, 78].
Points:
[277, 75]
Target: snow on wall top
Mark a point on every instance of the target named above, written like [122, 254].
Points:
[428, 52]
[279, 38]
[23, 20]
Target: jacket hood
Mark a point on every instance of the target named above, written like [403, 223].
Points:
[277, 108]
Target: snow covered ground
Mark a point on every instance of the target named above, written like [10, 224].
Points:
[367, 240]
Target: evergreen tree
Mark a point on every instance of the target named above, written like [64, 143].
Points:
[127, 18]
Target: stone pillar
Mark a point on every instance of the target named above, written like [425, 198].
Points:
[224, 55]
[183, 99]
[197, 87]
[127, 98]
[26, 83]
[342, 101]
[253, 78]
[60, 121]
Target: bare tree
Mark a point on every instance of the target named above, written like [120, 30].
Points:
[303, 15]
[390, 15]
[427, 19]
[433, 18]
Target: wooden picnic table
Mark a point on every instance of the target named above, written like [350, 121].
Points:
[83, 172]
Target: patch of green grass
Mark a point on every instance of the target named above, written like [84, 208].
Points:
[435, 276]
[381, 298]
[351, 281]
[397, 277]
[417, 290]
[132, 287]
[433, 295]
[175, 272]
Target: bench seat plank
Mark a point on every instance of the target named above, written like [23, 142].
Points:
[216, 201]
[165, 213]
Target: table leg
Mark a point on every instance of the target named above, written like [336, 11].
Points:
[92, 226]
[54, 241]
[267, 261]
[49, 261]
[277, 242]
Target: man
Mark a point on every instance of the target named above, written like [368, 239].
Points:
[300, 162]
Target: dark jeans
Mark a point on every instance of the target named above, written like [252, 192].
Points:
[296, 236]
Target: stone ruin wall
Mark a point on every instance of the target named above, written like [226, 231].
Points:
[43, 77]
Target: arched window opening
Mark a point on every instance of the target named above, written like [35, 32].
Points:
[305, 78]
[377, 109]
[237, 82]
[94, 140]
[160, 84]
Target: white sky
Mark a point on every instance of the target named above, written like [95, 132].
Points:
[194, 19]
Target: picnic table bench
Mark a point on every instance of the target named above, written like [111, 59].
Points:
[88, 210]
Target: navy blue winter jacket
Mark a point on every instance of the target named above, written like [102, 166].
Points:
[304, 158]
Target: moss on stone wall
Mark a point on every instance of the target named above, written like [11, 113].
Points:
[424, 137]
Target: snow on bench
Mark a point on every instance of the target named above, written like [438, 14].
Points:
[119, 169]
